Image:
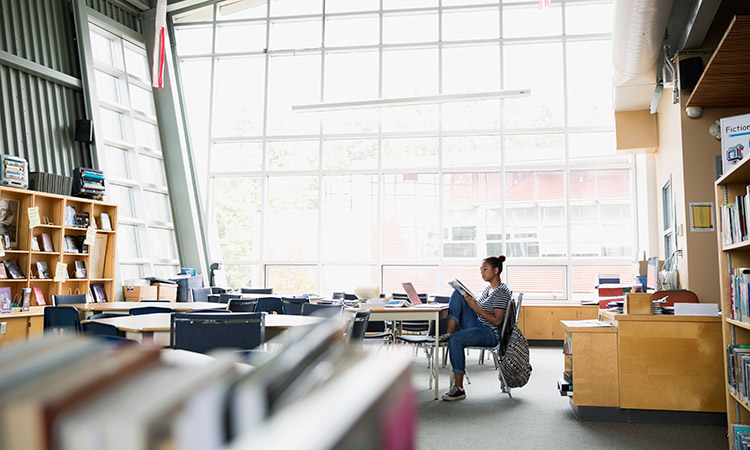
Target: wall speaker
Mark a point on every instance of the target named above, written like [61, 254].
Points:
[689, 72]
[84, 131]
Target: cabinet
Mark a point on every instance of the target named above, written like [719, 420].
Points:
[542, 321]
[53, 238]
[591, 364]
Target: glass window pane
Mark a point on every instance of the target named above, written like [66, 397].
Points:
[410, 152]
[351, 76]
[537, 282]
[346, 278]
[241, 9]
[244, 275]
[292, 279]
[292, 218]
[236, 218]
[524, 148]
[410, 73]
[471, 24]
[117, 162]
[523, 186]
[123, 197]
[166, 270]
[582, 145]
[158, 206]
[141, 100]
[249, 37]
[402, 29]
[195, 78]
[236, 156]
[286, 88]
[333, 6]
[538, 67]
[293, 155]
[238, 93]
[351, 121]
[471, 69]
[472, 150]
[203, 14]
[350, 217]
[131, 272]
[585, 19]
[136, 63]
[295, 7]
[128, 239]
[531, 21]
[350, 154]
[113, 124]
[146, 135]
[108, 88]
[585, 277]
[410, 118]
[469, 275]
[163, 244]
[483, 115]
[106, 49]
[193, 40]
[424, 278]
[410, 216]
[295, 34]
[348, 31]
[151, 170]
[590, 84]
[399, 4]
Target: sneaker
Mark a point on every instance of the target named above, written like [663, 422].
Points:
[444, 338]
[456, 393]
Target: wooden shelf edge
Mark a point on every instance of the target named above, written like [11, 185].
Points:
[736, 246]
[737, 323]
[738, 399]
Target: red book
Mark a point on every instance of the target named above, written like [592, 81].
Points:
[38, 296]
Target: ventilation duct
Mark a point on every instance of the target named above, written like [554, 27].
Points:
[636, 46]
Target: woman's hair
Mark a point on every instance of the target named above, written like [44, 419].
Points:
[496, 261]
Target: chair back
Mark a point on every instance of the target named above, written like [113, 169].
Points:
[105, 315]
[269, 305]
[442, 299]
[59, 300]
[359, 326]
[675, 296]
[242, 305]
[100, 329]
[209, 311]
[508, 321]
[519, 300]
[61, 319]
[202, 333]
[293, 305]
[225, 297]
[247, 290]
[149, 310]
[200, 294]
[314, 309]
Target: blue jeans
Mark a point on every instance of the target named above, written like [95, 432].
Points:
[473, 333]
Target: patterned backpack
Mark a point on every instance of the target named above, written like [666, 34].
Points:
[514, 356]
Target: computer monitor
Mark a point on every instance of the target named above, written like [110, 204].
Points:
[652, 271]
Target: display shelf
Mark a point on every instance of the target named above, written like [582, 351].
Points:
[52, 210]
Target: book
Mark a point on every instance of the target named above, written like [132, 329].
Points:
[25, 299]
[6, 301]
[3, 272]
[98, 255]
[47, 243]
[98, 293]
[70, 245]
[104, 221]
[14, 269]
[70, 216]
[38, 296]
[35, 244]
[80, 269]
[82, 219]
[457, 285]
[42, 269]
[6, 242]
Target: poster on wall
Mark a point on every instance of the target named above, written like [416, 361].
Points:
[701, 216]
[735, 140]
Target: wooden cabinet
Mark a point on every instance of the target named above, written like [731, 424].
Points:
[20, 325]
[57, 240]
[591, 364]
[542, 321]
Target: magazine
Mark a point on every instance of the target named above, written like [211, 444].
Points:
[457, 285]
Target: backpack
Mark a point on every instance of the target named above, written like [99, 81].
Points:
[514, 362]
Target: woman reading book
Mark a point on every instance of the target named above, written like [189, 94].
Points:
[475, 322]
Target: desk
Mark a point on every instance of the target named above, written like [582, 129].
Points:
[156, 327]
[434, 314]
[125, 307]
[20, 325]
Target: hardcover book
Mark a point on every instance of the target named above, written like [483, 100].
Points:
[47, 243]
[34, 244]
[98, 293]
[43, 270]
[80, 269]
[457, 285]
[5, 300]
[14, 269]
[38, 296]
[25, 299]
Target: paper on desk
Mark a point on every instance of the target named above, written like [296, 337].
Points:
[593, 323]
[696, 309]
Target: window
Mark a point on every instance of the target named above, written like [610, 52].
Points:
[316, 202]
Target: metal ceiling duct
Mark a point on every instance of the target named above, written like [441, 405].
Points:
[636, 45]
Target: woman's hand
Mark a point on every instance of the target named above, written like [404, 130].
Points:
[471, 302]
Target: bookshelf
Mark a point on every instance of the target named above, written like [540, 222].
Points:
[99, 262]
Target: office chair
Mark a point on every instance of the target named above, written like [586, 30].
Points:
[314, 309]
[242, 305]
[61, 320]
[358, 327]
[100, 329]
[225, 297]
[202, 333]
[248, 290]
[149, 310]
[427, 343]
[516, 312]
[293, 305]
[59, 300]
[104, 315]
[200, 294]
[269, 305]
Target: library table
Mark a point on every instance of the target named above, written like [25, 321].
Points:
[125, 307]
[156, 327]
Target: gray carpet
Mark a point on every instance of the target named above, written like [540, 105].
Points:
[538, 417]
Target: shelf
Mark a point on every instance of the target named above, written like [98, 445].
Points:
[100, 280]
[726, 77]
[15, 280]
[744, 245]
[47, 226]
[738, 399]
[737, 323]
[44, 253]
[739, 174]
[41, 280]
[15, 252]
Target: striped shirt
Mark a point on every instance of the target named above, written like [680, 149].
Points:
[492, 299]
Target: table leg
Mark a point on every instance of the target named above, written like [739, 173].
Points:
[436, 351]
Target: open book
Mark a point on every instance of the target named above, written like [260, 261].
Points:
[457, 285]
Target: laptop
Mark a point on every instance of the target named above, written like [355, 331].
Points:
[412, 294]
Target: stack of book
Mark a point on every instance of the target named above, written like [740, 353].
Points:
[15, 171]
[49, 182]
[88, 183]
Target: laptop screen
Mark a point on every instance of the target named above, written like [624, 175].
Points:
[412, 293]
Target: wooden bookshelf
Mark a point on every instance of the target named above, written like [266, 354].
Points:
[52, 209]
